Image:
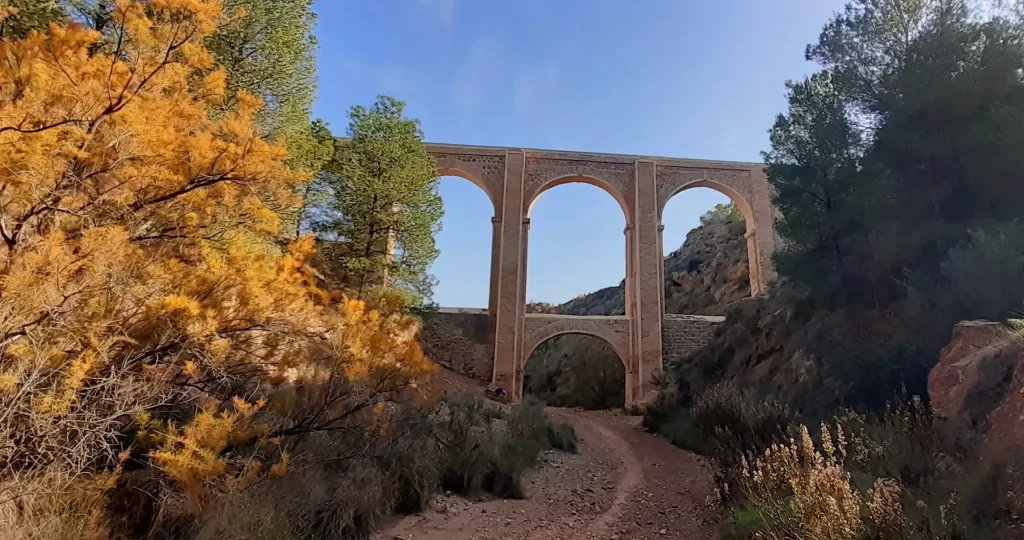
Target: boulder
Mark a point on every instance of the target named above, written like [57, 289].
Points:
[1003, 440]
[977, 396]
[956, 375]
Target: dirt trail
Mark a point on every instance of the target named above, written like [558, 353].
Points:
[623, 485]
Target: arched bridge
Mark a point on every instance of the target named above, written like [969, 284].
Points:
[502, 337]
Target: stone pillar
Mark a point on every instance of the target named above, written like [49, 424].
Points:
[522, 355]
[630, 268]
[754, 263]
[765, 237]
[630, 361]
[492, 295]
[648, 288]
[661, 267]
[508, 308]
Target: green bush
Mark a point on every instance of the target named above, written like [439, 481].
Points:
[467, 441]
[666, 404]
[483, 453]
[723, 422]
[563, 437]
[411, 459]
[519, 447]
[732, 423]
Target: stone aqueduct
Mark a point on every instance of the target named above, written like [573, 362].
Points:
[513, 179]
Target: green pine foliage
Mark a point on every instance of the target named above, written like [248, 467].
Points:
[384, 204]
[908, 139]
[31, 15]
[268, 48]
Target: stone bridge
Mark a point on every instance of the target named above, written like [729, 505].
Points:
[496, 343]
[460, 339]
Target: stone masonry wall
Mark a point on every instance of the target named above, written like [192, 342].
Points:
[683, 334]
[460, 340]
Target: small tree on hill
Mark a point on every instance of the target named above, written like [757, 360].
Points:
[385, 208]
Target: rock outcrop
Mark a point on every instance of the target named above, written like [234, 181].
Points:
[706, 274]
[961, 368]
[977, 388]
[977, 396]
[710, 270]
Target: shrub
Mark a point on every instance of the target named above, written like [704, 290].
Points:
[481, 453]
[563, 437]
[722, 213]
[806, 493]
[899, 443]
[467, 444]
[666, 404]
[518, 447]
[731, 423]
[54, 507]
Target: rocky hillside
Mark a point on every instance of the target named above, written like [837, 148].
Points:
[706, 274]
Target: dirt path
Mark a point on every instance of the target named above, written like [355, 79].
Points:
[623, 485]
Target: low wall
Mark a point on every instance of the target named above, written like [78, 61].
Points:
[461, 340]
[684, 334]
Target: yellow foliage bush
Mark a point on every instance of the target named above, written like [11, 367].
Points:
[139, 268]
[804, 492]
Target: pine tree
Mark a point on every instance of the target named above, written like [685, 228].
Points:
[385, 208]
[811, 165]
[28, 15]
[908, 138]
[268, 49]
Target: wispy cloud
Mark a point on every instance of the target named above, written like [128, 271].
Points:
[443, 9]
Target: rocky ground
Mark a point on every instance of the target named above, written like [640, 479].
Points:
[624, 484]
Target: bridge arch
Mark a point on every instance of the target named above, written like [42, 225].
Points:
[614, 330]
[622, 353]
[532, 198]
[452, 171]
[598, 369]
[734, 196]
[757, 278]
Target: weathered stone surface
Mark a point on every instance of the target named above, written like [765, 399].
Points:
[956, 375]
[461, 341]
[1005, 434]
[683, 334]
[977, 393]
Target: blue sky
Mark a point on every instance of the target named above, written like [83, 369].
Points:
[683, 78]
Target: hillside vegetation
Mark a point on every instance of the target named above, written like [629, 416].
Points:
[897, 175]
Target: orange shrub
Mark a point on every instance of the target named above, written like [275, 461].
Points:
[139, 269]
